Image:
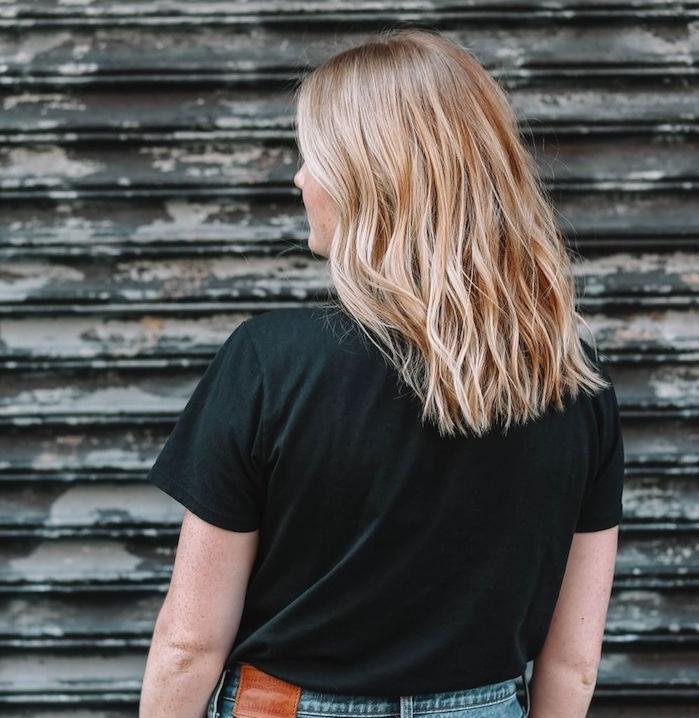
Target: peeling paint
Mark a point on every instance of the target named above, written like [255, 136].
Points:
[130, 257]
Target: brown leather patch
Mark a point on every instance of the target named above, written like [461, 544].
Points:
[260, 695]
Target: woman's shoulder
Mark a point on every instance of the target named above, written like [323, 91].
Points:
[275, 324]
[289, 332]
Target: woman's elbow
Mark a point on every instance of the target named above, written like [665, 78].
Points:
[181, 646]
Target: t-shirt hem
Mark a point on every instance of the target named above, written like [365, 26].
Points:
[180, 494]
[291, 671]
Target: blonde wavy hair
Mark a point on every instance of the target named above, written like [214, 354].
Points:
[446, 250]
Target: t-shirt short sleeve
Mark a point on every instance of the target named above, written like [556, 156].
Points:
[602, 500]
[212, 461]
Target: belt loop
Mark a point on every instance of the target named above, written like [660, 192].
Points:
[526, 690]
[406, 707]
[213, 711]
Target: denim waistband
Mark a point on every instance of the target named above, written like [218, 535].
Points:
[338, 704]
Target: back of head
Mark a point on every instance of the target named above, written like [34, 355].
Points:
[446, 250]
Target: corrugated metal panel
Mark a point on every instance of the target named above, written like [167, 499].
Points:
[147, 161]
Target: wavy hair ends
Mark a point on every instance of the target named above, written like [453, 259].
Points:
[446, 251]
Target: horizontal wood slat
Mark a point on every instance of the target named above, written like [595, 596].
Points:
[660, 278]
[647, 560]
[215, 47]
[169, 340]
[657, 500]
[666, 106]
[272, 224]
[122, 168]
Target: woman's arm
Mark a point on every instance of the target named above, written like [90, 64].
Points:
[199, 619]
[565, 671]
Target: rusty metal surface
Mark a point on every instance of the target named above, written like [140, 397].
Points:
[146, 169]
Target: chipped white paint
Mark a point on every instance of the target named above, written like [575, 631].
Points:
[77, 68]
[48, 164]
[46, 100]
[646, 175]
[87, 505]
[32, 46]
[669, 383]
[19, 279]
[79, 337]
[642, 262]
[56, 561]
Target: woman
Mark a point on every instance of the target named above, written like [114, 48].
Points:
[398, 499]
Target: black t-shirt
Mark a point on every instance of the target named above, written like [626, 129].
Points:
[390, 560]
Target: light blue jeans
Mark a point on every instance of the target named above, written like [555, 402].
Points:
[494, 700]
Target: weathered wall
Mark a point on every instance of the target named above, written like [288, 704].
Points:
[147, 206]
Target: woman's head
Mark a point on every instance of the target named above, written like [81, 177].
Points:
[440, 239]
